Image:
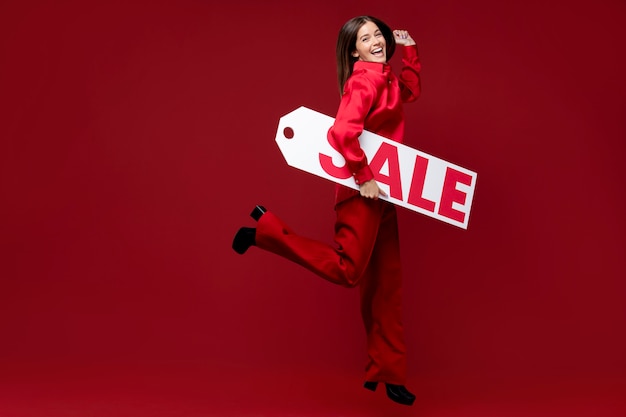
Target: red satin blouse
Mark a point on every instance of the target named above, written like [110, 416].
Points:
[372, 100]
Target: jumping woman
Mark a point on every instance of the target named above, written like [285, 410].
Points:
[366, 251]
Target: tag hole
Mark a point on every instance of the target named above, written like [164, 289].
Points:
[288, 132]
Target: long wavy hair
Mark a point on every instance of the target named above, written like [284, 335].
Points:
[346, 45]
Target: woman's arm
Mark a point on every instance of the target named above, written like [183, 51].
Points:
[410, 87]
[356, 102]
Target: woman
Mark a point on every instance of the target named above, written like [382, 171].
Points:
[367, 251]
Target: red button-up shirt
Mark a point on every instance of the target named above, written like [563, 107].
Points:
[372, 100]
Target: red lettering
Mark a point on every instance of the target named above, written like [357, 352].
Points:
[331, 169]
[451, 195]
[417, 185]
[388, 153]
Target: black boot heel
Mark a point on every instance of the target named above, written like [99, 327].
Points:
[400, 394]
[370, 385]
[245, 237]
[258, 212]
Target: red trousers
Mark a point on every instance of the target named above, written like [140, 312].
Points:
[367, 255]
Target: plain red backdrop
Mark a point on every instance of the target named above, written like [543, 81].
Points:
[136, 137]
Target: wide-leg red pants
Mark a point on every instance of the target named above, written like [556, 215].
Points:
[366, 254]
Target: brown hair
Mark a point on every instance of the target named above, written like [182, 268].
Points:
[346, 45]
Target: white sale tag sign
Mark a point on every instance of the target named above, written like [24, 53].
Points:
[412, 179]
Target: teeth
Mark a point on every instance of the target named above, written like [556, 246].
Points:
[377, 50]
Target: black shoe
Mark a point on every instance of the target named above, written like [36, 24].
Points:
[244, 238]
[258, 212]
[397, 393]
[370, 385]
[400, 394]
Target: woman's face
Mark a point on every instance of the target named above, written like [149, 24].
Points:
[370, 44]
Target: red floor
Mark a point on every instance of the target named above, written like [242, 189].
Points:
[197, 389]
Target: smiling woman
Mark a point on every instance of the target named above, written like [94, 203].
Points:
[367, 251]
[133, 132]
[370, 44]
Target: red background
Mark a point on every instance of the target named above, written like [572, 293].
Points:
[136, 136]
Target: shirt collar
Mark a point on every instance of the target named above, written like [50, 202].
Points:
[372, 66]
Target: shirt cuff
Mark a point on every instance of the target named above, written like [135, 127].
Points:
[409, 51]
[363, 175]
